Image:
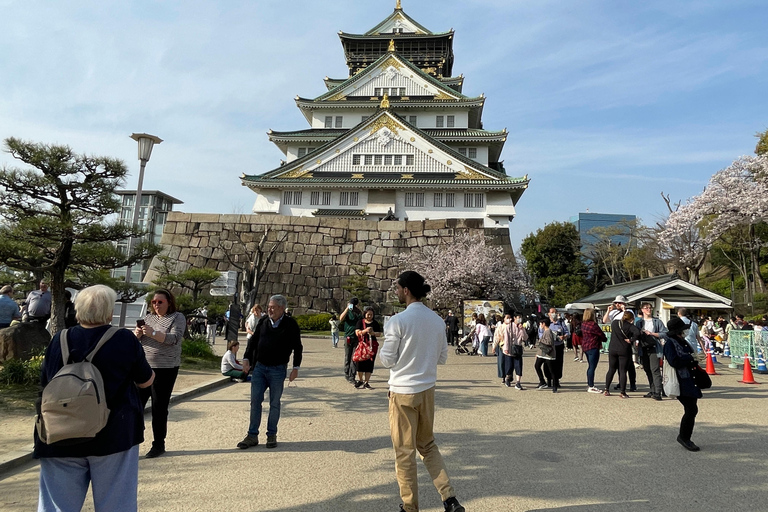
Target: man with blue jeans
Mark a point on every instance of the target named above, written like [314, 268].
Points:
[276, 336]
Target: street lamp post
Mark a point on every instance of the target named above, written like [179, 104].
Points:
[146, 143]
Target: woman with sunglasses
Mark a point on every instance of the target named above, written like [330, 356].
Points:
[160, 334]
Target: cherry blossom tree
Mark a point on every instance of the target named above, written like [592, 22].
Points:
[736, 196]
[466, 267]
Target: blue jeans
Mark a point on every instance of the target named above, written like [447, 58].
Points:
[272, 377]
[484, 345]
[593, 357]
[64, 482]
[335, 338]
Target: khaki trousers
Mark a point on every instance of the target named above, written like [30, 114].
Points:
[411, 418]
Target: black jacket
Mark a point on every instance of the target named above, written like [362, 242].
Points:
[619, 331]
[679, 355]
[272, 346]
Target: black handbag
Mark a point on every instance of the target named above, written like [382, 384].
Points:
[700, 377]
[516, 351]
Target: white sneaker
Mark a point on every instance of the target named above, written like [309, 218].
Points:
[593, 390]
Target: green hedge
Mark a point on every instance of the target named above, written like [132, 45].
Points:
[16, 371]
[197, 346]
[318, 322]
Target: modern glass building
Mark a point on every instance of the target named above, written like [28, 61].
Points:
[587, 221]
[153, 213]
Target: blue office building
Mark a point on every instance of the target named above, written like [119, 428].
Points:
[586, 221]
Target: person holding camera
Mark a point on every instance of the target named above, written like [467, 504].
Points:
[160, 333]
[348, 321]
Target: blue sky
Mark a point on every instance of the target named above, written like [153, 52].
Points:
[607, 103]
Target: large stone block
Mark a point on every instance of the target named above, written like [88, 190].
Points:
[213, 227]
[316, 238]
[22, 340]
[362, 225]
[179, 217]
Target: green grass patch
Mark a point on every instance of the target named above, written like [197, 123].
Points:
[18, 398]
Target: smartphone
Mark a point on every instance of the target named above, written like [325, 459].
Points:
[351, 307]
[140, 322]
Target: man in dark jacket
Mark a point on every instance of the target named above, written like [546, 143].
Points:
[651, 329]
[269, 349]
[452, 328]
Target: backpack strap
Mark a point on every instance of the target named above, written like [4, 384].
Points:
[105, 338]
[64, 346]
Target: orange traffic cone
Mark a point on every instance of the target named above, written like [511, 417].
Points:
[710, 365]
[747, 378]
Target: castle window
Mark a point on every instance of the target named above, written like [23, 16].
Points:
[326, 198]
[449, 200]
[414, 199]
[302, 152]
[355, 159]
[329, 121]
[463, 151]
[412, 120]
[451, 121]
[472, 152]
[339, 121]
[398, 159]
[287, 196]
[409, 159]
[353, 198]
[314, 198]
[439, 121]
[473, 200]
[377, 159]
[387, 159]
[438, 201]
[368, 159]
[343, 198]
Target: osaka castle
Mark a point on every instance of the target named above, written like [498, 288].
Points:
[395, 140]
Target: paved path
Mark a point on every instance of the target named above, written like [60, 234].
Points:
[506, 450]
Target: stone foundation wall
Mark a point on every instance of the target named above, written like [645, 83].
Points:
[315, 259]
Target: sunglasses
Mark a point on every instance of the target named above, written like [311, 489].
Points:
[158, 302]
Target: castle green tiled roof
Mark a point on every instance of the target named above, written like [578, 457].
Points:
[259, 181]
[452, 134]
[327, 212]
[396, 13]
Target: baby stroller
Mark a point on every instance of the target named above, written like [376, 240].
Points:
[467, 345]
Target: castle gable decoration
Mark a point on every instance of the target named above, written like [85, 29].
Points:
[395, 75]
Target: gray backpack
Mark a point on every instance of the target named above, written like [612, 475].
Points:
[74, 405]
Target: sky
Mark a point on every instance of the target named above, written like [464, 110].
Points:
[607, 103]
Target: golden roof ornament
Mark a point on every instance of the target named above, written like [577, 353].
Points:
[391, 45]
[385, 101]
[398, 6]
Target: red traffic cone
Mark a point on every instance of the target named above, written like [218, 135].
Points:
[710, 365]
[747, 378]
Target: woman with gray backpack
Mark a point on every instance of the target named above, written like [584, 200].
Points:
[90, 434]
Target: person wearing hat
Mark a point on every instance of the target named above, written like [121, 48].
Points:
[615, 310]
[9, 310]
[680, 356]
[348, 321]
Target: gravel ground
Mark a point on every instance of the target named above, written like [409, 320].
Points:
[506, 450]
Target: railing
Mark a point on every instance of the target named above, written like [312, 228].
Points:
[748, 342]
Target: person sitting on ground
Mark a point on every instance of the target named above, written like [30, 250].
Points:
[230, 366]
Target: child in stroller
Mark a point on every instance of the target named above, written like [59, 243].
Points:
[467, 345]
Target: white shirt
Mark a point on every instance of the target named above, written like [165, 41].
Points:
[229, 362]
[414, 344]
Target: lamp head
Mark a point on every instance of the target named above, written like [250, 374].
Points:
[146, 142]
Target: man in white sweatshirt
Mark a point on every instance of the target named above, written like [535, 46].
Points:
[414, 344]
